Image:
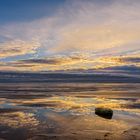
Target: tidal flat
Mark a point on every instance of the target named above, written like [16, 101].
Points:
[66, 111]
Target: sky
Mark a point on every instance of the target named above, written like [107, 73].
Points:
[51, 35]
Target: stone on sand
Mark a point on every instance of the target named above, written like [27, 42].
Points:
[104, 112]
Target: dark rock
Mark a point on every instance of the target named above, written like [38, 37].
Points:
[104, 112]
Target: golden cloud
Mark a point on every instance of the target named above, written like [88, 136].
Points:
[81, 62]
[17, 47]
[101, 32]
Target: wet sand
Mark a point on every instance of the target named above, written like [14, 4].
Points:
[66, 111]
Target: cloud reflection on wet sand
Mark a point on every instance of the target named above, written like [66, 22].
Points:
[68, 115]
[18, 119]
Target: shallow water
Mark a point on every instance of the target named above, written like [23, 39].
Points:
[38, 111]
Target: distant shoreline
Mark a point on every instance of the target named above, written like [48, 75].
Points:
[22, 77]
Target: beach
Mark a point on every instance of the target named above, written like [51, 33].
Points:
[69, 69]
[66, 111]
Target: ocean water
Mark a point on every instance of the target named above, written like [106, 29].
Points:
[66, 110]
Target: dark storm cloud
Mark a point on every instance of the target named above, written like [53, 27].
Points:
[41, 61]
[132, 59]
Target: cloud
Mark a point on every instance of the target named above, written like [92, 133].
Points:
[132, 59]
[90, 28]
[17, 47]
[46, 64]
[73, 62]
[98, 27]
